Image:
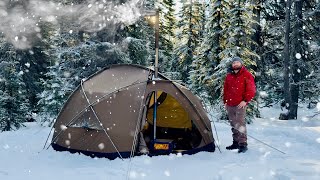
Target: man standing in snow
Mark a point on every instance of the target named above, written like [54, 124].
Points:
[239, 89]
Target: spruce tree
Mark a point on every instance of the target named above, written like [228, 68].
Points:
[57, 87]
[297, 59]
[14, 105]
[197, 69]
[140, 42]
[167, 27]
[34, 62]
[189, 31]
[310, 56]
[210, 49]
[270, 63]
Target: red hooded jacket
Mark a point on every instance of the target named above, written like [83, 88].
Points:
[238, 87]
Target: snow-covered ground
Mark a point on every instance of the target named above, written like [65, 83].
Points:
[22, 157]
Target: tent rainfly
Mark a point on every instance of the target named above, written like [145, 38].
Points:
[111, 114]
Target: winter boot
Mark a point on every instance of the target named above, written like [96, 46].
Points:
[234, 145]
[242, 148]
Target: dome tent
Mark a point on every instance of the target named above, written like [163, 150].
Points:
[108, 115]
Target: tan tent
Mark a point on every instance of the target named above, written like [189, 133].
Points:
[111, 113]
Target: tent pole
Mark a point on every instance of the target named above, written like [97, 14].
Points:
[48, 138]
[214, 125]
[156, 26]
[95, 114]
[138, 126]
[155, 116]
[156, 69]
[142, 110]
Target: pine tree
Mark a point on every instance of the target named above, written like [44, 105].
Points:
[311, 43]
[210, 49]
[140, 42]
[196, 74]
[270, 63]
[167, 27]
[34, 63]
[296, 62]
[57, 88]
[189, 31]
[14, 105]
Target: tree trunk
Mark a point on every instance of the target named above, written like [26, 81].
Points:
[297, 51]
[257, 35]
[286, 64]
[238, 26]
[257, 48]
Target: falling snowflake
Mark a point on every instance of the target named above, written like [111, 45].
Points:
[242, 129]
[21, 73]
[298, 56]
[63, 127]
[318, 140]
[27, 64]
[263, 94]
[101, 146]
[67, 142]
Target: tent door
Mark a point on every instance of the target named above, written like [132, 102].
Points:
[175, 130]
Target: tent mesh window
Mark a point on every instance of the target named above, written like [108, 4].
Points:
[87, 121]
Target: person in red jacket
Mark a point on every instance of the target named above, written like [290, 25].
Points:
[239, 89]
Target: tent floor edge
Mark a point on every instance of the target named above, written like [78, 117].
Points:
[110, 156]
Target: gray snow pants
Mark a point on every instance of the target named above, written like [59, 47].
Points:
[238, 124]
